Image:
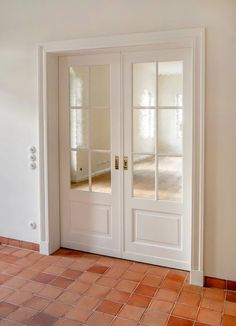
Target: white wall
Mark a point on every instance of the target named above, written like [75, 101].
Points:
[25, 23]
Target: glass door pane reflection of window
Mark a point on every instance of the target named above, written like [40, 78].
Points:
[144, 130]
[79, 128]
[79, 86]
[144, 84]
[79, 170]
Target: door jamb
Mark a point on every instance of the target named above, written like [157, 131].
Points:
[49, 132]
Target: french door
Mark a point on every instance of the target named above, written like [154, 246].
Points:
[126, 156]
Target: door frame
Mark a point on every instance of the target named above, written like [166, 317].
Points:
[48, 54]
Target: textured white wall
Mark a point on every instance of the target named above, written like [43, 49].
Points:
[25, 23]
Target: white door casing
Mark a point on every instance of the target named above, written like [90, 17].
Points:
[48, 55]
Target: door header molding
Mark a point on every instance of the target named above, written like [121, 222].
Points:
[48, 54]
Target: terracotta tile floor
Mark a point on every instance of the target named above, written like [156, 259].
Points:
[73, 288]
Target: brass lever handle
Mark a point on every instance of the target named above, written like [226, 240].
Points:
[117, 162]
[125, 163]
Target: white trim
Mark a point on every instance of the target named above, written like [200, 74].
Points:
[197, 278]
[192, 38]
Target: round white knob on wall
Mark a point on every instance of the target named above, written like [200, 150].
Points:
[32, 149]
[33, 165]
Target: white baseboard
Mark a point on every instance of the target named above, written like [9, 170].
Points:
[197, 278]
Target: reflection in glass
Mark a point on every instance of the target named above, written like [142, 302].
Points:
[79, 128]
[170, 83]
[170, 178]
[101, 172]
[144, 176]
[79, 170]
[144, 130]
[100, 85]
[79, 86]
[100, 129]
[170, 131]
[144, 84]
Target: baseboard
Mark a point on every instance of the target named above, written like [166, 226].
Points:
[196, 278]
[19, 243]
[219, 283]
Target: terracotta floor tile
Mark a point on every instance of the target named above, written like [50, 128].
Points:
[123, 264]
[6, 308]
[192, 288]
[118, 296]
[88, 303]
[166, 295]
[15, 283]
[57, 309]
[69, 297]
[71, 273]
[160, 305]
[61, 282]
[158, 271]
[64, 262]
[13, 269]
[78, 314]
[127, 286]
[55, 270]
[36, 303]
[155, 318]
[99, 319]
[231, 296]
[176, 275]
[139, 301]
[88, 277]
[191, 299]
[97, 291]
[228, 320]
[67, 322]
[5, 322]
[209, 317]
[106, 261]
[151, 280]
[212, 304]
[4, 278]
[182, 310]
[200, 324]
[42, 319]
[133, 276]
[19, 297]
[230, 308]
[131, 312]
[139, 267]
[99, 269]
[114, 272]
[145, 290]
[27, 274]
[5, 292]
[123, 322]
[175, 321]
[44, 278]
[33, 287]
[22, 315]
[79, 287]
[217, 294]
[106, 281]
[170, 284]
[51, 292]
[109, 307]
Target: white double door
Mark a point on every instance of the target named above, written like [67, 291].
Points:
[125, 155]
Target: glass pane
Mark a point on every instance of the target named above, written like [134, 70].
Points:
[170, 83]
[170, 178]
[170, 132]
[79, 128]
[101, 172]
[100, 86]
[144, 84]
[100, 129]
[144, 176]
[79, 86]
[79, 170]
[144, 130]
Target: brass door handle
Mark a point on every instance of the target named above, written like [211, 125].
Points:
[117, 162]
[125, 163]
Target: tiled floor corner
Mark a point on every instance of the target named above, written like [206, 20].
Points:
[73, 288]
